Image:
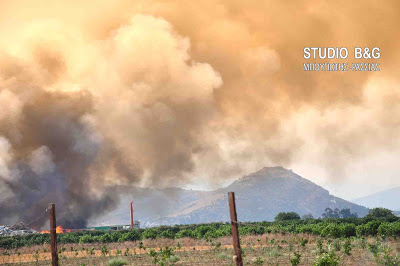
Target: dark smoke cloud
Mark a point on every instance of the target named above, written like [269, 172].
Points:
[52, 157]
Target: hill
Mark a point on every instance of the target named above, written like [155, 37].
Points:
[389, 199]
[260, 196]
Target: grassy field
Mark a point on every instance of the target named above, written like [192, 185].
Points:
[371, 240]
[266, 249]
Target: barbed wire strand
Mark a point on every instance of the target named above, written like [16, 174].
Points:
[39, 217]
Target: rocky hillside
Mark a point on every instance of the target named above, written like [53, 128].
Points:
[259, 196]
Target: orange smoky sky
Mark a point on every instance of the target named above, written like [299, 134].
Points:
[162, 93]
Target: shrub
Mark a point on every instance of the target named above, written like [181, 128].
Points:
[106, 238]
[223, 256]
[126, 252]
[167, 234]
[104, 250]
[117, 262]
[347, 230]
[173, 259]
[258, 261]
[327, 259]
[383, 254]
[320, 247]
[368, 229]
[296, 259]
[347, 246]
[336, 245]
[86, 239]
[389, 229]
[307, 216]
[205, 230]
[363, 243]
[63, 238]
[303, 242]
[184, 233]
[332, 230]
[150, 233]
[382, 214]
[285, 216]
[374, 249]
[132, 235]
[273, 253]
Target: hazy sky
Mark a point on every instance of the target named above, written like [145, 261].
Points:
[191, 93]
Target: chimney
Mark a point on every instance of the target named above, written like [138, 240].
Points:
[131, 215]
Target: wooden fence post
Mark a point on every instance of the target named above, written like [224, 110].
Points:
[53, 235]
[235, 232]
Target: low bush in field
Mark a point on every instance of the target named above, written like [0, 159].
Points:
[117, 262]
[389, 229]
[327, 259]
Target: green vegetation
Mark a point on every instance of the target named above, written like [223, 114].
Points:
[379, 222]
[327, 259]
[296, 259]
[224, 256]
[104, 250]
[307, 216]
[117, 262]
[382, 214]
[303, 242]
[347, 246]
[336, 213]
[258, 261]
[286, 216]
[165, 255]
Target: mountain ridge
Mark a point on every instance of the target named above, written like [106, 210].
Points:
[389, 198]
[259, 197]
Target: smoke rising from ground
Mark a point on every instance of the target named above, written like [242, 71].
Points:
[164, 94]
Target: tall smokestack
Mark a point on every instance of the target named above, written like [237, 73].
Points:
[131, 215]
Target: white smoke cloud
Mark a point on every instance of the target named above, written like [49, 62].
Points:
[41, 161]
[5, 158]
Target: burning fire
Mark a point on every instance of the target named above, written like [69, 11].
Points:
[59, 230]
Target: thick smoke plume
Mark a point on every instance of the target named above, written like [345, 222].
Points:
[160, 94]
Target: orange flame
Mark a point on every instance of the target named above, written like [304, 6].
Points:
[59, 230]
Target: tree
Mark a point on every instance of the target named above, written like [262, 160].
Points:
[307, 216]
[336, 214]
[346, 213]
[382, 214]
[285, 216]
[329, 213]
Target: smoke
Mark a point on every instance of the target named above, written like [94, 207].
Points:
[162, 94]
[130, 113]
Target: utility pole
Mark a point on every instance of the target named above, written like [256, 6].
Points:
[235, 231]
[53, 235]
[131, 215]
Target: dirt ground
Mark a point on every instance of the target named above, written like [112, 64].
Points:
[269, 249]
